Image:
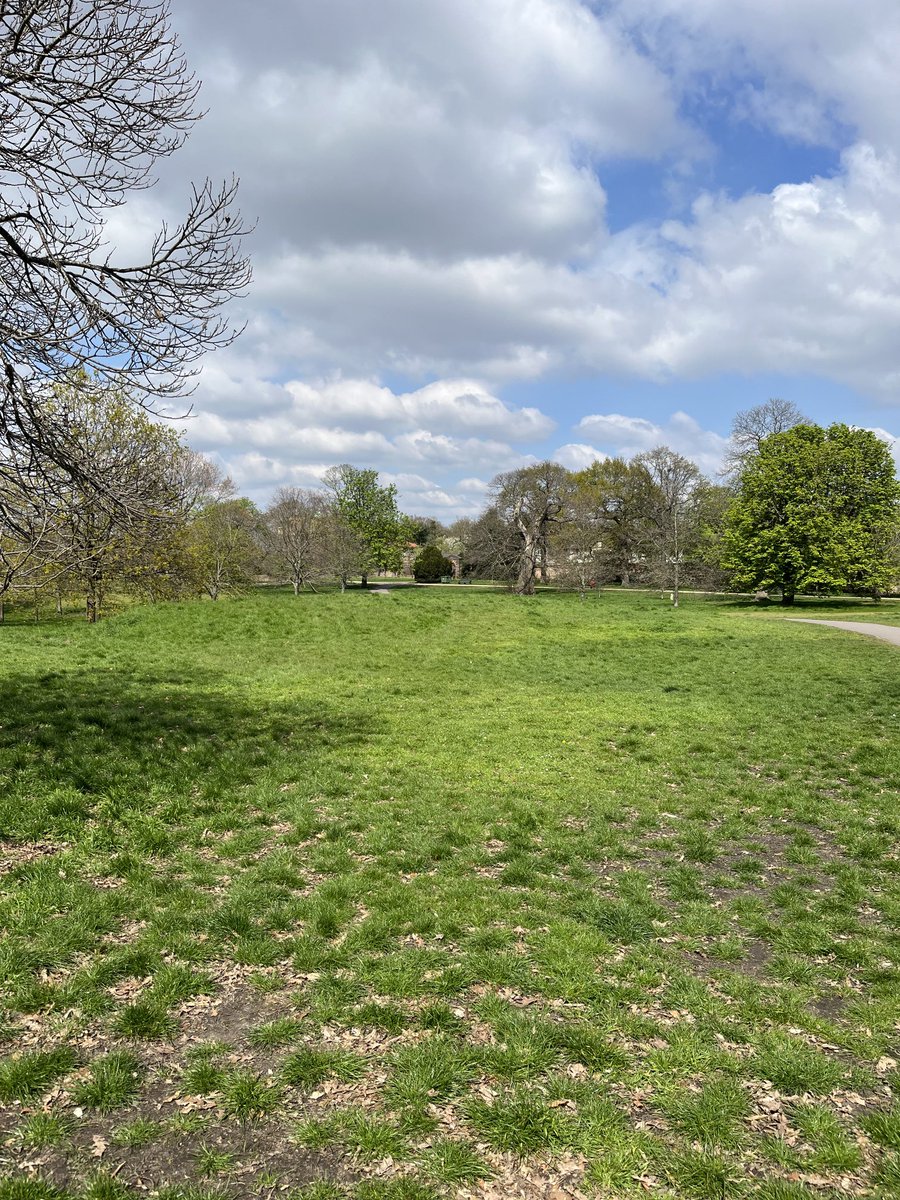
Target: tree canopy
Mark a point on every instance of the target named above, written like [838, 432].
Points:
[370, 510]
[816, 510]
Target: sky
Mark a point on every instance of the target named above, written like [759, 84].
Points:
[494, 231]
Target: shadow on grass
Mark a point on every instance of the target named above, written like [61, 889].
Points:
[70, 739]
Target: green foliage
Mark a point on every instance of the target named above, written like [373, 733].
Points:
[430, 565]
[248, 1096]
[223, 546]
[817, 511]
[307, 1068]
[371, 512]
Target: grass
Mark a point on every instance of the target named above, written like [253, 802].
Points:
[113, 1081]
[447, 877]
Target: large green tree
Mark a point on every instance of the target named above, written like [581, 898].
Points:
[370, 511]
[816, 510]
[617, 496]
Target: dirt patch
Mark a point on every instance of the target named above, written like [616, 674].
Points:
[230, 1016]
[252, 1150]
[14, 855]
[829, 1006]
[754, 964]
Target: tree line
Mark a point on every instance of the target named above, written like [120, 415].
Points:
[148, 516]
[797, 508]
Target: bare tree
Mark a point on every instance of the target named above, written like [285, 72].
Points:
[340, 552]
[28, 543]
[751, 427]
[491, 548]
[532, 500]
[94, 93]
[294, 533]
[674, 481]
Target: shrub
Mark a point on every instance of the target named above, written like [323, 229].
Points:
[430, 565]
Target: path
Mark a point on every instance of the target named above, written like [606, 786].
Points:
[887, 633]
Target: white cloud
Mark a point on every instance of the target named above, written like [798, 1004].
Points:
[811, 64]
[577, 455]
[452, 405]
[419, 440]
[437, 129]
[806, 278]
[627, 436]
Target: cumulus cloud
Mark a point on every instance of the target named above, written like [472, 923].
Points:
[627, 436]
[419, 440]
[808, 67]
[429, 128]
[431, 185]
[451, 405]
[577, 455]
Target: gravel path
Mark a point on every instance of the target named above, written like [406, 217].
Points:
[887, 633]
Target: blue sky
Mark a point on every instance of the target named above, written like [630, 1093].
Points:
[497, 230]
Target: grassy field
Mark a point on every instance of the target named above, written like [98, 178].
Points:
[450, 894]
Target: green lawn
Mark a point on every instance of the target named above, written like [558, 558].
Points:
[450, 893]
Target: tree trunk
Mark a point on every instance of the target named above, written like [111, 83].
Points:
[296, 587]
[787, 595]
[364, 581]
[525, 581]
[58, 602]
[2, 610]
[90, 607]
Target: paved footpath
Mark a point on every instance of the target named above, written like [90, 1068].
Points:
[888, 633]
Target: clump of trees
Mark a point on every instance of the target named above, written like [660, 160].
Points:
[797, 508]
[167, 523]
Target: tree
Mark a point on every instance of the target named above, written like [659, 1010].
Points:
[674, 481]
[431, 565]
[224, 546]
[27, 544]
[817, 510]
[490, 548]
[95, 535]
[294, 532]
[576, 544]
[370, 510]
[424, 530]
[95, 93]
[532, 500]
[751, 427]
[618, 495]
[340, 551]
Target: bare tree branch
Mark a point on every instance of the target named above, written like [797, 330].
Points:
[94, 93]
